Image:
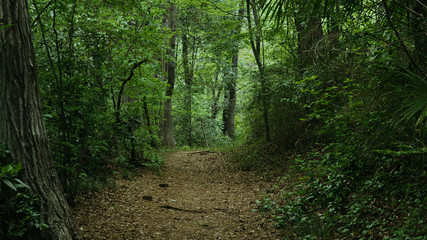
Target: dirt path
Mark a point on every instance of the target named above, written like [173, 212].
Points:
[202, 200]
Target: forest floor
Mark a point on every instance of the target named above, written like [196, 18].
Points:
[196, 196]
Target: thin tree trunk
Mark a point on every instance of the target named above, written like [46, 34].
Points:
[216, 95]
[21, 122]
[420, 36]
[232, 96]
[188, 78]
[255, 35]
[225, 111]
[148, 121]
[120, 101]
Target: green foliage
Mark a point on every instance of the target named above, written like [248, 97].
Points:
[413, 96]
[361, 148]
[85, 52]
[351, 197]
[19, 209]
[206, 132]
[153, 160]
[5, 26]
[355, 185]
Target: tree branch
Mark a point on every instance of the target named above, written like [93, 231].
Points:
[40, 13]
[402, 44]
[122, 87]
[211, 3]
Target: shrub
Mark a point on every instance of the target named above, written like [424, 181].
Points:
[19, 209]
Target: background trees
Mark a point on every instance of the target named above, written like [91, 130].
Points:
[102, 104]
[107, 73]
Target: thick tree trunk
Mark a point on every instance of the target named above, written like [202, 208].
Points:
[21, 122]
[170, 66]
[309, 31]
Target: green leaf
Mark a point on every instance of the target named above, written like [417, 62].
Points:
[10, 184]
[5, 26]
[21, 183]
[18, 167]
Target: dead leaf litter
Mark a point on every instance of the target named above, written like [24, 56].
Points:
[195, 197]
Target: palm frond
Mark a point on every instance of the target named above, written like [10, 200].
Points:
[414, 98]
[275, 10]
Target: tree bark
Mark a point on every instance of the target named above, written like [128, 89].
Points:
[229, 111]
[309, 30]
[21, 122]
[188, 79]
[170, 66]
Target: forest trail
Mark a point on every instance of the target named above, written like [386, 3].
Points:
[195, 197]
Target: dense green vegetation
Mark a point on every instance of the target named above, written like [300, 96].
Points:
[19, 210]
[332, 92]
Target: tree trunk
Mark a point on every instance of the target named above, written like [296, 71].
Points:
[309, 31]
[225, 111]
[420, 37]
[188, 79]
[21, 122]
[216, 95]
[148, 122]
[230, 111]
[255, 35]
[170, 66]
[232, 96]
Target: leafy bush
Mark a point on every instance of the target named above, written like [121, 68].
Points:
[153, 160]
[19, 209]
[344, 197]
[354, 185]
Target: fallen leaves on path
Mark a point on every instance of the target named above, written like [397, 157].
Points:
[195, 197]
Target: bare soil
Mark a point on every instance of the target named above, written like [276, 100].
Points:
[196, 196]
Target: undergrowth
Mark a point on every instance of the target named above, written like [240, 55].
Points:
[19, 208]
[363, 178]
[258, 157]
[332, 199]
